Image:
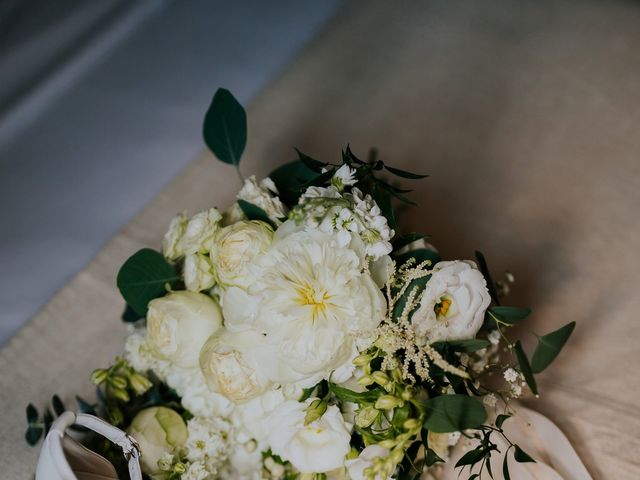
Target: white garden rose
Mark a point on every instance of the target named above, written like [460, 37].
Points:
[453, 303]
[318, 447]
[263, 195]
[171, 244]
[198, 272]
[200, 230]
[179, 323]
[314, 301]
[158, 430]
[230, 363]
[235, 247]
[357, 466]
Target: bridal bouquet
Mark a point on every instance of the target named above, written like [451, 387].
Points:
[297, 334]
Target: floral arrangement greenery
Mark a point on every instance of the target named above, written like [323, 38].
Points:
[298, 335]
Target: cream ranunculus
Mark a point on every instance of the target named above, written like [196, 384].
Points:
[179, 323]
[314, 300]
[200, 230]
[158, 430]
[357, 466]
[453, 303]
[235, 247]
[198, 272]
[171, 244]
[318, 447]
[231, 367]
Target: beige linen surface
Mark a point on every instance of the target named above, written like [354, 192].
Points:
[526, 115]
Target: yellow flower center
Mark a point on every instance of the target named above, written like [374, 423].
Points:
[441, 308]
[317, 299]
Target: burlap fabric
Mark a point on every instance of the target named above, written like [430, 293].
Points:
[526, 115]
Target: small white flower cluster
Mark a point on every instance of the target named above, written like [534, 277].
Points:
[515, 381]
[332, 210]
[208, 443]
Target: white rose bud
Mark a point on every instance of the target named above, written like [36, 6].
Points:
[171, 248]
[158, 431]
[453, 303]
[317, 447]
[198, 272]
[179, 323]
[199, 232]
[235, 247]
[229, 365]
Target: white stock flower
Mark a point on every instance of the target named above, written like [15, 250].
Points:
[179, 323]
[230, 365]
[198, 272]
[200, 230]
[318, 447]
[235, 247]
[343, 177]
[263, 195]
[357, 466]
[453, 303]
[208, 441]
[157, 430]
[313, 301]
[171, 248]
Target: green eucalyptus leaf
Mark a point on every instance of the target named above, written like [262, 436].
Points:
[471, 457]
[505, 466]
[525, 367]
[311, 163]
[58, 406]
[143, 277]
[509, 315]
[130, 315]
[500, 419]
[549, 347]
[33, 434]
[407, 239]
[484, 269]
[253, 212]
[32, 413]
[47, 419]
[225, 127]
[468, 346]
[404, 173]
[454, 413]
[347, 395]
[289, 179]
[85, 407]
[431, 458]
[521, 456]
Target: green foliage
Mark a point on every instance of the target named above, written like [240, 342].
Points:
[225, 127]
[406, 239]
[549, 347]
[484, 269]
[508, 315]
[525, 367]
[346, 395]
[467, 346]
[454, 413]
[143, 277]
[404, 174]
[289, 179]
[130, 315]
[253, 212]
[521, 456]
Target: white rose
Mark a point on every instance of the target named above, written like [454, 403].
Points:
[198, 272]
[357, 466]
[235, 248]
[230, 365]
[172, 239]
[179, 323]
[251, 418]
[158, 430]
[453, 303]
[200, 230]
[263, 195]
[318, 447]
